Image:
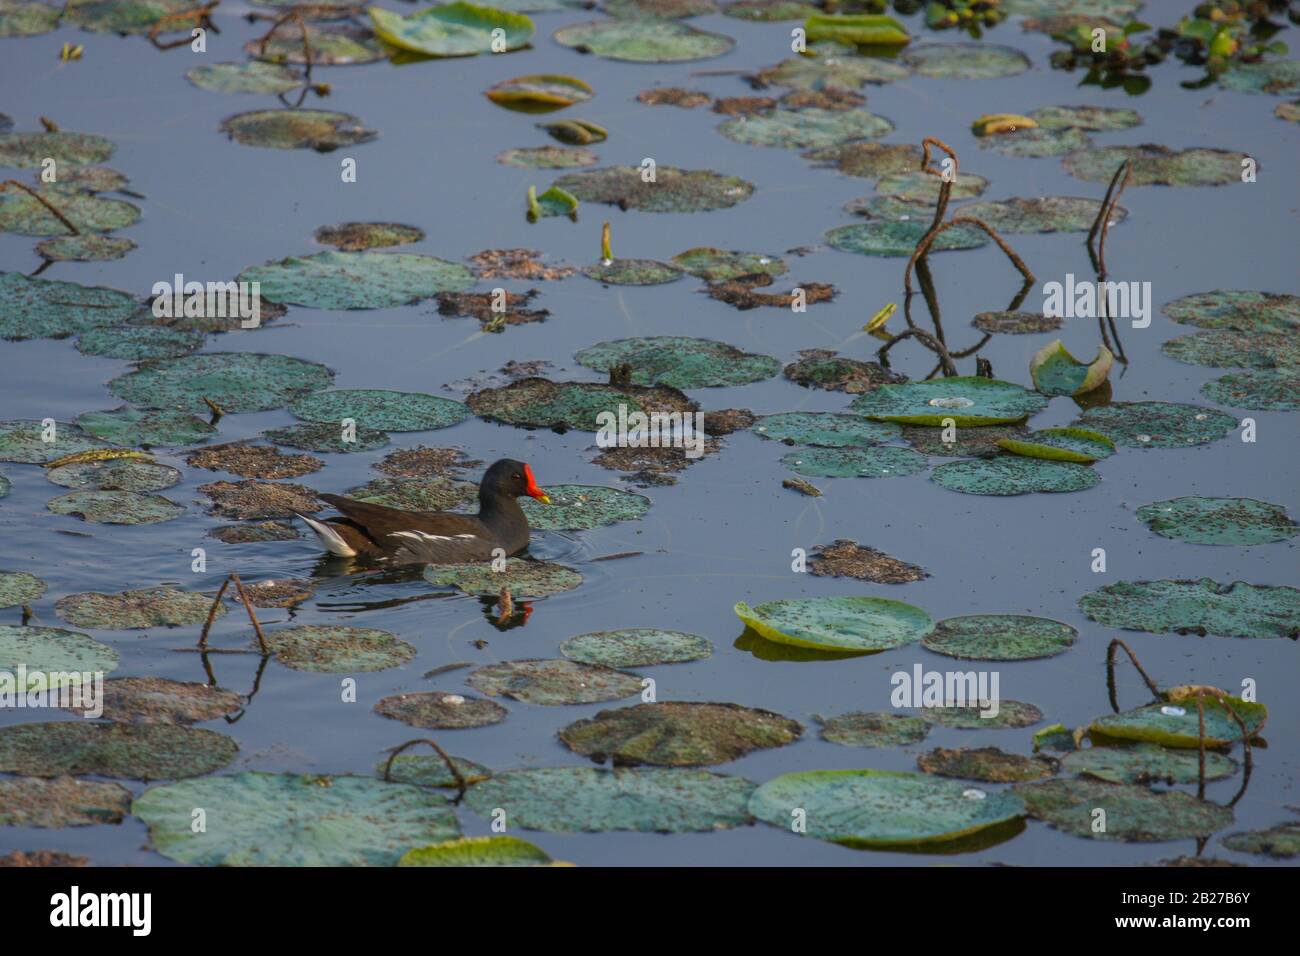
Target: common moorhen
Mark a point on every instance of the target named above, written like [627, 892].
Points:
[436, 537]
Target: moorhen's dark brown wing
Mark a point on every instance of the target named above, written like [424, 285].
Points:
[430, 537]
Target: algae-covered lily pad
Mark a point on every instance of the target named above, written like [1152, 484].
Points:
[380, 409]
[979, 441]
[591, 800]
[1201, 607]
[673, 189]
[886, 237]
[250, 77]
[357, 280]
[1000, 637]
[1177, 722]
[643, 40]
[1281, 841]
[116, 507]
[19, 18]
[1133, 814]
[1086, 117]
[138, 343]
[553, 682]
[718, 265]
[430, 770]
[157, 700]
[360, 236]
[582, 507]
[416, 494]
[62, 656]
[1146, 763]
[1061, 444]
[874, 729]
[33, 443]
[260, 499]
[679, 361]
[327, 438]
[539, 93]
[632, 272]
[19, 587]
[33, 308]
[338, 649]
[63, 802]
[1229, 521]
[1276, 390]
[858, 624]
[988, 764]
[822, 368]
[1056, 372]
[131, 751]
[321, 130]
[924, 187]
[1014, 475]
[525, 579]
[145, 608]
[1241, 310]
[678, 733]
[879, 461]
[843, 74]
[1011, 715]
[868, 160]
[966, 61]
[1152, 165]
[329, 45]
[84, 248]
[25, 150]
[1041, 214]
[1279, 77]
[1226, 348]
[881, 808]
[548, 157]
[540, 403]
[25, 214]
[453, 29]
[967, 400]
[284, 819]
[1157, 424]
[235, 381]
[825, 429]
[439, 710]
[1038, 142]
[805, 129]
[636, 647]
[477, 851]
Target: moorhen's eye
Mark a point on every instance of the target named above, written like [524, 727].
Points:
[518, 478]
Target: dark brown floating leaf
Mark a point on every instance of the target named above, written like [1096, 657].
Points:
[156, 700]
[724, 421]
[868, 160]
[651, 466]
[741, 293]
[260, 499]
[358, 236]
[743, 105]
[801, 486]
[253, 461]
[516, 264]
[848, 559]
[253, 533]
[988, 764]
[481, 306]
[283, 593]
[978, 441]
[824, 368]
[832, 98]
[541, 403]
[1016, 323]
[43, 858]
[61, 802]
[439, 710]
[673, 96]
[422, 462]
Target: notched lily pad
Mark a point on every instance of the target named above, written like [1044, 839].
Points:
[126, 474]
[439, 710]
[855, 624]
[1240, 522]
[130, 751]
[321, 130]
[157, 700]
[636, 647]
[380, 409]
[1201, 607]
[673, 189]
[525, 579]
[874, 729]
[1133, 814]
[553, 682]
[1000, 637]
[805, 129]
[1157, 424]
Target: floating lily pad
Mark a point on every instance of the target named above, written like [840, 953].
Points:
[539, 93]
[19, 587]
[1146, 763]
[1037, 143]
[477, 851]
[633, 272]
[253, 461]
[805, 129]
[821, 368]
[254, 77]
[1133, 814]
[93, 179]
[1000, 637]
[284, 819]
[883, 237]
[525, 579]
[988, 764]
[965, 61]
[330, 45]
[1014, 475]
[1243, 311]
[968, 400]
[1197, 607]
[769, 11]
[27, 150]
[539, 403]
[453, 29]
[1279, 77]
[357, 280]
[678, 734]
[1158, 424]
[1281, 841]
[847, 559]
[85, 248]
[636, 647]
[131, 751]
[590, 800]
[858, 624]
[1041, 214]
[1086, 117]
[880, 461]
[1226, 348]
[874, 729]
[1177, 721]
[1153, 165]
[321, 130]
[1061, 444]
[145, 608]
[868, 160]
[380, 409]
[138, 343]
[980, 441]
[360, 236]
[63, 802]
[327, 438]
[553, 682]
[673, 189]
[252, 533]
[24, 441]
[116, 507]
[924, 187]
[1229, 521]
[33, 308]
[825, 429]
[19, 19]
[548, 157]
[881, 808]
[122, 16]
[643, 40]
[439, 710]
[1011, 715]
[853, 30]
[1056, 372]
[235, 381]
[718, 265]
[25, 215]
[843, 73]
[1290, 112]
[156, 700]
[416, 494]
[680, 361]
[430, 770]
[1276, 390]
[659, 9]
[581, 507]
[62, 656]
[338, 649]
[260, 499]
[125, 474]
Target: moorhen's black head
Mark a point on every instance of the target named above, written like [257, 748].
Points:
[511, 478]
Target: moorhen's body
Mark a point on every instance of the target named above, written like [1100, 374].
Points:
[436, 537]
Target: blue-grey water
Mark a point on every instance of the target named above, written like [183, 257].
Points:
[725, 532]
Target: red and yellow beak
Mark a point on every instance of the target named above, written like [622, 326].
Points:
[532, 490]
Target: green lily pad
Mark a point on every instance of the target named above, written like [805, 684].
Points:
[539, 93]
[1099, 118]
[553, 682]
[678, 734]
[116, 507]
[1153, 165]
[24, 442]
[643, 40]
[62, 656]
[338, 649]
[1176, 722]
[659, 9]
[157, 700]
[1056, 372]
[1230, 521]
[853, 30]
[632, 272]
[477, 851]
[130, 751]
[63, 802]
[769, 11]
[235, 381]
[1243, 311]
[1278, 77]
[880, 461]
[673, 189]
[439, 710]
[868, 160]
[47, 309]
[27, 150]
[93, 179]
[805, 129]
[360, 236]
[831, 73]
[540, 403]
[122, 16]
[825, 429]
[1011, 715]
[1201, 607]
[987, 764]
[718, 265]
[548, 157]
[591, 800]
[254, 77]
[1270, 390]
[1061, 444]
[357, 280]
[284, 819]
[380, 409]
[1226, 348]
[85, 248]
[19, 588]
[18, 19]
[636, 647]
[883, 237]
[968, 400]
[327, 438]
[25, 215]
[1133, 814]
[999, 637]
[1014, 475]
[321, 130]
[125, 474]
[582, 507]
[965, 61]
[874, 729]
[130, 427]
[1281, 841]
[525, 579]
[453, 29]
[138, 343]
[680, 362]
[330, 45]
[979, 441]
[1037, 142]
[430, 770]
[1158, 424]
[881, 808]
[1041, 214]
[924, 187]
[145, 608]
[1145, 763]
[416, 494]
[859, 624]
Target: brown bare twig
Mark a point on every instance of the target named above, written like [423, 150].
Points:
[248, 606]
[200, 17]
[1115, 645]
[461, 783]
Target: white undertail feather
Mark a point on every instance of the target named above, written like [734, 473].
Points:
[331, 539]
[422, 536]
